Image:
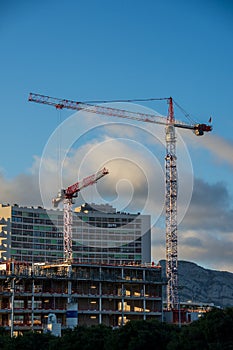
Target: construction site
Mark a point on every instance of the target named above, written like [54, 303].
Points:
[84, 294]
[90, 268]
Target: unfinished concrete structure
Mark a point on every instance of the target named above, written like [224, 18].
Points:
[78, 294]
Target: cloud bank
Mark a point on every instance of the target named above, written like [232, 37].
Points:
[136, 183]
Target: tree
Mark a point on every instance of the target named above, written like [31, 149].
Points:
[212, 331]
[84, 338]
[141, 335]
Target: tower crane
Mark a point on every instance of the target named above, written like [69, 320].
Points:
[170, 170]
[67, 196]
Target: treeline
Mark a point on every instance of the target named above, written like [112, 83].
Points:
[213, 331]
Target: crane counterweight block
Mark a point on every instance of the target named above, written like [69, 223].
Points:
[200, 129]
[60, 197]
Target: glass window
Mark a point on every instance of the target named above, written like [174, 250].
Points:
[16, 219]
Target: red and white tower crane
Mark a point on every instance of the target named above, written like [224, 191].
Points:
[67, 197]
[170, 173]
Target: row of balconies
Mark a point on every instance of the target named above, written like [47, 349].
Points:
[80, 310]
[92, 277]
[104, 278]
[82, 295]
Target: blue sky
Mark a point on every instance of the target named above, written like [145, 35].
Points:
[104, 50]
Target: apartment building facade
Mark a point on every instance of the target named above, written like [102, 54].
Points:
[99, 234]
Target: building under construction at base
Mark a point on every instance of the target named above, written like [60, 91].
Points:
[77, 294]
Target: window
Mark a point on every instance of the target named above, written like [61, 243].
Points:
[16, 212]
[28, 220]
[16, 219]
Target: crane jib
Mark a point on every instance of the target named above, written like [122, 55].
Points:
[79, 185]
[58, 103]
[89, 180]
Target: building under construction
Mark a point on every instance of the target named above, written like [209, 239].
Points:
[77, 294]
[110, 279]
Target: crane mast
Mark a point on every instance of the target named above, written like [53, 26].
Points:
[67, 196]
[170, 172]
[171, 211]
[67, 224]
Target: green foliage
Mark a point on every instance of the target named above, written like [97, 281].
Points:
[28, 341]
[213, 332]
[218, 326]
[31, 341]
[84, 338]
[141, 335]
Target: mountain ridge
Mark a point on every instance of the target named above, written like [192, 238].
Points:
[203, 285]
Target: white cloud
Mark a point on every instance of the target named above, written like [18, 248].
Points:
[136, 183]
[23, 190]
[206, 248]
[219, 147]
[205, 236]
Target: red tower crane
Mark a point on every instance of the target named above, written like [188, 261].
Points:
[67, 196]
[170, 172]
